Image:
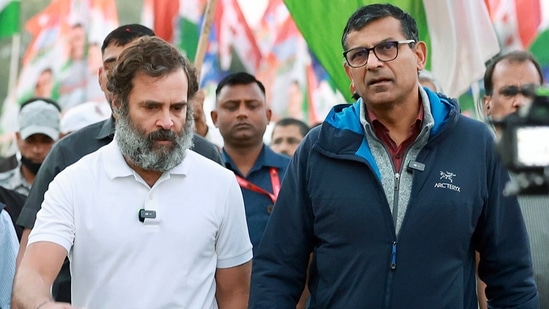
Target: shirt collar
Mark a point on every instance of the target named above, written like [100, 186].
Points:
[419, 117]
[367, 117]
[267, 158]
[116, 166]
[107, 129]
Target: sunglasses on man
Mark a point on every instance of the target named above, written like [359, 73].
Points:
[528, 91]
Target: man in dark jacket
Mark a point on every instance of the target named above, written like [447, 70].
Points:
[393, 194]
[510, 81]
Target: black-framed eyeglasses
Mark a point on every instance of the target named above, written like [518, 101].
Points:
[528, 91]
[384, 51]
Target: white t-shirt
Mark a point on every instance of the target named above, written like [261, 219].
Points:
[91, 209]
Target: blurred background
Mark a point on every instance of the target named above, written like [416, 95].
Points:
[52, 47]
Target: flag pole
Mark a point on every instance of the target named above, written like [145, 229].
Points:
[204, 35]
[14, 61]
[7, 127]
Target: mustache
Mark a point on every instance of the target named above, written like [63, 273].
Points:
[162, 135]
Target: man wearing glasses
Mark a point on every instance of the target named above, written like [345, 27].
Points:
[510, 82]
[393, 194]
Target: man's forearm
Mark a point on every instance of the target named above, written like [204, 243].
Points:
[34, 276]
[30, 290]
[234, 301]
[22, 246]
[233, 286]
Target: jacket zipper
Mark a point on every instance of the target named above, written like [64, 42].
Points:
[395, 218]
[394, 256]
[390, 276]
[395, 199]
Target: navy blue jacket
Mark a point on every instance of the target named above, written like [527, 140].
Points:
[332, 204]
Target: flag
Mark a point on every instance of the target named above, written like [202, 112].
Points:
[461, 28]
[541, 41]
[211, 72]
[161, 16]
[187, 33]
[9, 17]
[177, 22]
[522, 25]
[39, 60]
[284, 75]
[237, 46]
[102, 18]
[462, 40]
[231, 40]
[65, 50]
[516, 21]
[539, 49]
[44, 54]
[285, 62]
[272, 22]
[293, 81]
[322, 94]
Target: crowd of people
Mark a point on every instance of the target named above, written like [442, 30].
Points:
[393, 201]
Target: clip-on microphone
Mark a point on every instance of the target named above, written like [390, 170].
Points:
[146, 214]
[413, 165]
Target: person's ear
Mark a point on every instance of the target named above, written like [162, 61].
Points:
[100, 78]
[487, 100]
[115, 106]
[269, 114]
[421, 54]
[213, 114]
[348, 72]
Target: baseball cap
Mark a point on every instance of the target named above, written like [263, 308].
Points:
[83, 115]
[39, 117]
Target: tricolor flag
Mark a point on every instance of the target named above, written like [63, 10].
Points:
[284, 74]
[462, 40]
[39, 60]
[237, 46]
[459, 36]
[9, 17]
[177, 22]
[295, 83]
[63, 58]
[523, 25]
[516, 22]
[266, 32]
[539, 49]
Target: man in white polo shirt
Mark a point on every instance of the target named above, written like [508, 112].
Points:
[133, 217]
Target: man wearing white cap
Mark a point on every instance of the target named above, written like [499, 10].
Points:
[84, 114]
[38, 130]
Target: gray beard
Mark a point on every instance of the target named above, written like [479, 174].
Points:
[138, 147]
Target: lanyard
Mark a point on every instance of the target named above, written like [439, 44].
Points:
[275, 182]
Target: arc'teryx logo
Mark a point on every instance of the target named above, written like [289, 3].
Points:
[448, 176]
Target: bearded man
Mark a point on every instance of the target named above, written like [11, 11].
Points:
[131, 216]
